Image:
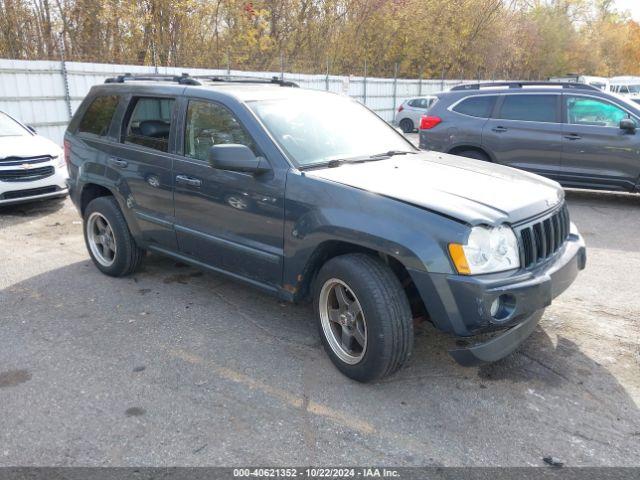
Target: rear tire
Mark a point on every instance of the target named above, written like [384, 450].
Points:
[108, 239]
[377, 317]
[475, 154]
[407, 126]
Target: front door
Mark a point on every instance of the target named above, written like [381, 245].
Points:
[526, 133]
[230, 220]
[596, 152]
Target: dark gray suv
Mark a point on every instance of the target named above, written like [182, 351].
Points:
[309, 195]
[573, 133]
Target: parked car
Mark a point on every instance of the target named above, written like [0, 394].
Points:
[600, 82]
[31, 167]
[575, 134]
[351, 215]
[410, 111]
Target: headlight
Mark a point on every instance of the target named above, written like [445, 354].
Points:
[60, 163]
[488, 250]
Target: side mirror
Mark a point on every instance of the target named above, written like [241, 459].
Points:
[628, 125]
[236, 158]
[32, 129]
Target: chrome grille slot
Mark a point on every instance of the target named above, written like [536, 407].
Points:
[542, 238]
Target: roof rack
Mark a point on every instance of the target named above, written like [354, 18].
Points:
[518, 84]
[241, 79]
[186, 79]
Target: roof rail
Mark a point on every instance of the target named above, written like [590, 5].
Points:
[519, 84]
[241, 79]
[186, 79]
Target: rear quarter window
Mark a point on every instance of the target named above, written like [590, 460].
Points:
[97, 118]
[480, 107]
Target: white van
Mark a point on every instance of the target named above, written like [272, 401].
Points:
[599, 82]
[627, 86]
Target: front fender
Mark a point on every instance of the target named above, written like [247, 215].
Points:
[319, 211]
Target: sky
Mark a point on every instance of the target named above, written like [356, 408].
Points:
[633, 6]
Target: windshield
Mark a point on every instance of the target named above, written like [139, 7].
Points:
[9, 127]
[317, 129]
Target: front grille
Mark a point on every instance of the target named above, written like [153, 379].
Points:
[29, 192]
[14, 161]
[540, 239]
[26, 174]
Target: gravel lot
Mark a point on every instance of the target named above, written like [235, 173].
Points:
[177, 367]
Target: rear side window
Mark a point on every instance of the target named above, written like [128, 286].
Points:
[530, 108]
[97, 118]
[150, 123]
[477, 106]
[419, 103]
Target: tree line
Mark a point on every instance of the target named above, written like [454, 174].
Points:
[525, 39]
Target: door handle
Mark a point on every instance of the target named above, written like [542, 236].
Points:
[186, 180]
[499, 129]
[116, 162]
[573, 136]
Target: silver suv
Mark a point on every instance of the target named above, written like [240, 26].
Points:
[573, 133]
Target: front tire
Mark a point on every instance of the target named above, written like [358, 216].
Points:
[108, 239]
[364, 317]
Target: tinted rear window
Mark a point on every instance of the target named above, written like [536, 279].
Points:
[150, 123]
[531, 108]
[477, 106]
[97, 118]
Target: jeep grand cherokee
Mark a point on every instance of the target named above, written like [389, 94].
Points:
[309, 195]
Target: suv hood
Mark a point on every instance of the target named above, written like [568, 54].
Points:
[27, 146]
[472, 191]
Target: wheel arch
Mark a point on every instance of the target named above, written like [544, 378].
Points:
[329, 249]
[466, 147]
[91, 191]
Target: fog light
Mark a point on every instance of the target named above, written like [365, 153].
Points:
[502, 307]
[495, 307]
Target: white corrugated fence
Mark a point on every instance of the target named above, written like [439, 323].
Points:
[44, 93]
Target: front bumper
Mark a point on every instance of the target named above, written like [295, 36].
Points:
[462, 304]
[53, 186]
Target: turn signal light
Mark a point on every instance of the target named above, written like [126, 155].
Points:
[459, 260]
[400, 108]
[427, 122]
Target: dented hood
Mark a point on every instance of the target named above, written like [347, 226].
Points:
[469, 190]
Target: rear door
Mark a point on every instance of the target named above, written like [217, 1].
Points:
[525, 132]
[595, 151]
[230, 220]
[141, 159]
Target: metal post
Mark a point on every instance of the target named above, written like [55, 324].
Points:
[420, 84]
[364, 83]
[65, 78]
[395, 84]
[326, 77]
[442, 81]
[228, 64]
[281, 67]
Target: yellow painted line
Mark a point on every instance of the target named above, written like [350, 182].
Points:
[285, 396]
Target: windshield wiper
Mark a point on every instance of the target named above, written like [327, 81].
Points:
[391, 153]
[336, 162]
[367, 158]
